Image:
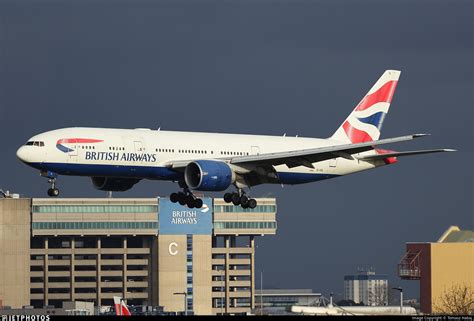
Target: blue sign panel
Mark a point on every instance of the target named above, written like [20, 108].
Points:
[176, 219]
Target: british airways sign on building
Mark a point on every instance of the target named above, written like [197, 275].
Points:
[175, 219]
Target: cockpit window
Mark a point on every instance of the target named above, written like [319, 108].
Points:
[35, 143]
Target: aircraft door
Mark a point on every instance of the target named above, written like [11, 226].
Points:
[72, 154]
[139, 149]
[254, 150]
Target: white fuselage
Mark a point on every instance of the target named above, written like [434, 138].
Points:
[144, 153]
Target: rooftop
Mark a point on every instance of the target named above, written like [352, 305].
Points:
[455, 235]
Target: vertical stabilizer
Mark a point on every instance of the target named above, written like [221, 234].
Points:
[365, 122]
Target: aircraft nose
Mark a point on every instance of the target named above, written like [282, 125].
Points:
[22, 154]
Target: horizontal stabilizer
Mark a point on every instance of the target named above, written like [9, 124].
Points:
[407, 153]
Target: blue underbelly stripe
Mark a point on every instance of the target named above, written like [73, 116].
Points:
[152, 172]
[155, 172]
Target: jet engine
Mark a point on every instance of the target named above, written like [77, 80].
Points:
[208, 175]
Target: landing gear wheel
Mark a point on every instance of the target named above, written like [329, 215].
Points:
[198, 203]
[190, 200]
[53, 192]
[235, 199]
[181, 198]
[174, 197]
[244, 200]
[252, 203]
[228, 197]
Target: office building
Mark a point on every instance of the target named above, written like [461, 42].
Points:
[148, 251]
[367, 288]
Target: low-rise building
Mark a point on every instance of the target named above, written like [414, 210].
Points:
[440, 267]
[280, 301]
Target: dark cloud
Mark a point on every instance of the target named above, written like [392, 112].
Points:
[263, 67]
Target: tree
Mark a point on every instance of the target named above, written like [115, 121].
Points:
[457, 299]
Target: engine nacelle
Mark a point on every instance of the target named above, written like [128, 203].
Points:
[208, 175]
[113, 184]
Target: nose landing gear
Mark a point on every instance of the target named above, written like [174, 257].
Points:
[240, 199]
[52, 191]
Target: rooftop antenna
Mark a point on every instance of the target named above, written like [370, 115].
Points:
[284, 134]
[159, 128]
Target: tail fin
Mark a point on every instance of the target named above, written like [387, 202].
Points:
[365, 122]
[120, 307]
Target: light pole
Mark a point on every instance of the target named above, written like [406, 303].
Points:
[261, 292]
[223, 284]
[401, 298]
[185, 301]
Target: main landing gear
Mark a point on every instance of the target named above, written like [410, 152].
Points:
[53, 191]
[240, 199]
[186, 198]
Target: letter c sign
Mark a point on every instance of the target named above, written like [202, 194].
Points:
[172, 248]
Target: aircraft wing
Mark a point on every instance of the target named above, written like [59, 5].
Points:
[305, 157]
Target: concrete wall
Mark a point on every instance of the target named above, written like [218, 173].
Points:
[15, 252]
[172, 271]
[451, 264]
[202, 274]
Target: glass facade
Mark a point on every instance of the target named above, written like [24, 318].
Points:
[189, 274]
[95, 209]
[239, 209]
[93, 225]
[244, 225]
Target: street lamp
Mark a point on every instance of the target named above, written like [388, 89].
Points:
[401, 298]
[185, 301]
[261, 292]
[223, 284]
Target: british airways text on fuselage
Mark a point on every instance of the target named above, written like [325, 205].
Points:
[126, 157]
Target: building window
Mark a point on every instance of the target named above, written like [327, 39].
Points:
[93, 225]
[95, 209]
[245, 225]
[238, 209]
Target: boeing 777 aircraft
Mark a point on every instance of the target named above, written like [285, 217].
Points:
[117, 159]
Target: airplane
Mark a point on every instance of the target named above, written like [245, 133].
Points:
[120, 307]
[117, 159]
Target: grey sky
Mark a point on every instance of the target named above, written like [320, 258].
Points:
[263, 67]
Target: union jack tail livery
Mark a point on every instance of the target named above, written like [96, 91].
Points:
[120, 307]
[365, 122]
